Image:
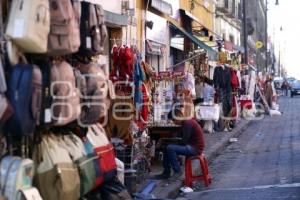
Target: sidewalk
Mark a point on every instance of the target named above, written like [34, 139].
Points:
[214, 144]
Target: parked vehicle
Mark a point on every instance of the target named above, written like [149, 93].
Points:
[295, 88]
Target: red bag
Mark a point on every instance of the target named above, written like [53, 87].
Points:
[107, 161]
[234, 79]
[105, 151]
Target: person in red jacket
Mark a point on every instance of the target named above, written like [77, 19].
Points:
[190, 144]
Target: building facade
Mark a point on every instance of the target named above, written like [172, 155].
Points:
[228, 24]
[256, 15]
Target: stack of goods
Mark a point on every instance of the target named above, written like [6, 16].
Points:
[53, 99]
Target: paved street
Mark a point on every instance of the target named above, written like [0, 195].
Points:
[263, 164]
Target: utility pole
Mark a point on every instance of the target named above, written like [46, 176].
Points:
[245, 32]
[266, 36]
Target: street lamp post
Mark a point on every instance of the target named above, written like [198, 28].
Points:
[245, 32]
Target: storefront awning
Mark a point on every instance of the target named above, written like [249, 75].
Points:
[212, 54]
[114, 19]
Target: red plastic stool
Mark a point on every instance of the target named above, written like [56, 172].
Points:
[189, 178]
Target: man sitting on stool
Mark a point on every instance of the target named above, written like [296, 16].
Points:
[191, 144]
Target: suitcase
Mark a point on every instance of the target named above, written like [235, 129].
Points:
[29, 25]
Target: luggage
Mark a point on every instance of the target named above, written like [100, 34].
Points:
[24, 93]
[15, 174]
[64, 36]
[29, 25]
[95, 102]
[65, 95]
[57, 177]
[93, 31]
[97, 142]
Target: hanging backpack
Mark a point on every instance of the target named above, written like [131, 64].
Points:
[97, 142]
[64, 37]
[86, 164]
[95, 102]
[29, 25]
[15, 174]
[24, 94]
[93, 31]
[65, 95]
[57, 177]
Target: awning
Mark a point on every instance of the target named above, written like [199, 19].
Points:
[114, 19]
[212, 54]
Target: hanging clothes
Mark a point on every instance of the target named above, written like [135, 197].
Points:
[189, 84]
[222, 82]
[139, 77]
[123, 60]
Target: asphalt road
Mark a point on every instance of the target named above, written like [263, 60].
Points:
[264, 163]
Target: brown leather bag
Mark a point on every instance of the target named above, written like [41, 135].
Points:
[93, 31]
[95, 100]
[64, 36]
[66, 96]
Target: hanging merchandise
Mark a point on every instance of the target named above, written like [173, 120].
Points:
[15, 174]
[93, 31]
[6, 109]
[123, 61]
[29, 25]
[64, 36]
[222, 83]
[86, 164]
[24, 93]
[97, 142]
[66, 96]
[234, 79]
[29, 194]
[57, 177]
[119, 122]
[95, 101]
[139, 77]
[3, 86]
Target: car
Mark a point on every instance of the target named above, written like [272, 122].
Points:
[295, 88]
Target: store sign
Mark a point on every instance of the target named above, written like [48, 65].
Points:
[154, 48]
[162, 6]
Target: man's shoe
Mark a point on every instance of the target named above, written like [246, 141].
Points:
[176, 176]
[164, 175]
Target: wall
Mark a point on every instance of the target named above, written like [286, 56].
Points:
[205, 15]
[111, 5]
